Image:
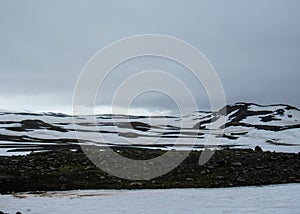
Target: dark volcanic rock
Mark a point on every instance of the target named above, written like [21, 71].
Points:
[62, 179]
[65, 170]
[134, 125]
[36, 124]
[258, 149]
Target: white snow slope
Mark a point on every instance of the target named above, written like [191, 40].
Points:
[266, 199]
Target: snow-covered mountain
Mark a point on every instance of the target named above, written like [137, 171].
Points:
[273, 127]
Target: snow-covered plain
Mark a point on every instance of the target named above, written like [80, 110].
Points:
[273, 128]
[267, 199]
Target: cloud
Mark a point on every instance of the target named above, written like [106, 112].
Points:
[253, 45]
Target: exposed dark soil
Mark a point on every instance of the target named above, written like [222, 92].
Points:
[66, 170]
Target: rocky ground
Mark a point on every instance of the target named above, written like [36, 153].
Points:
[66, 170]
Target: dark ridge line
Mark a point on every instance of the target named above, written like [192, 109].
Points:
[268, 105]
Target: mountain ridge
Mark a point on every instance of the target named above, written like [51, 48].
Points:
[273, 127]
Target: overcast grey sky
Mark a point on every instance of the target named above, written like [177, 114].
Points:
[254, 46]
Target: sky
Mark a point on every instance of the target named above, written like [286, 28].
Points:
[254, 46]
